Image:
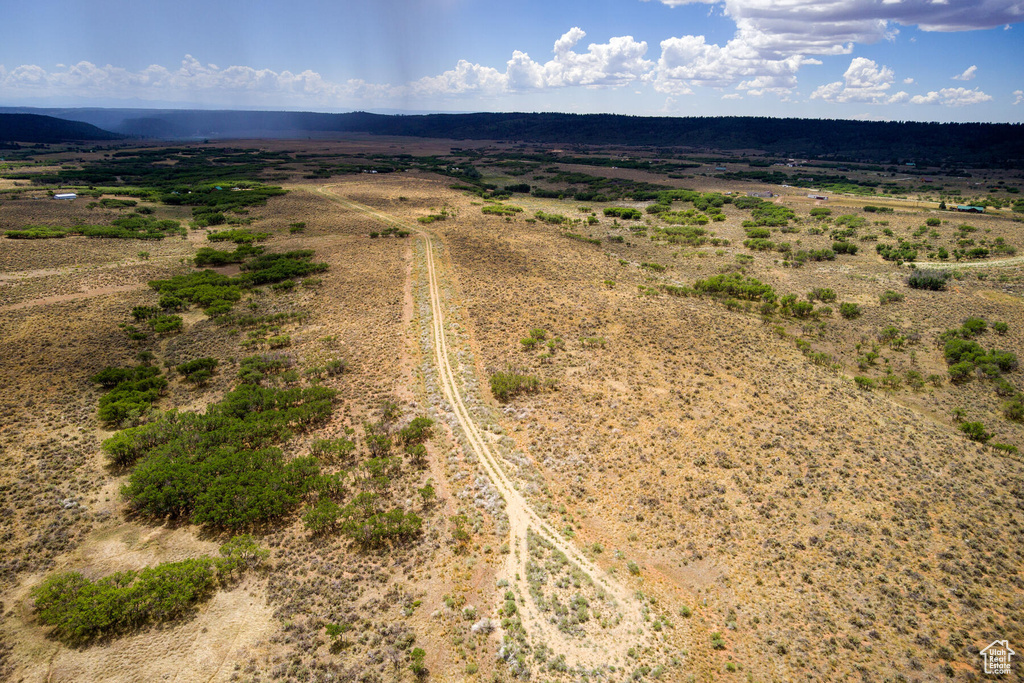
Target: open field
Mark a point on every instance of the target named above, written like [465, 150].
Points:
[770, 484]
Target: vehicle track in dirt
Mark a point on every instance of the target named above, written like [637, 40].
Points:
[522, 517]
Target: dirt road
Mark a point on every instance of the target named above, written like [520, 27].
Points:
[630, 630]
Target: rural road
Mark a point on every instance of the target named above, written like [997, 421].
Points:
[1004, 263]
[520, 513]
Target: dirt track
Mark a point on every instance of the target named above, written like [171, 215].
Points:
[521, 514]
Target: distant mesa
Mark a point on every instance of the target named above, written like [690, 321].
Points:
[36, 128]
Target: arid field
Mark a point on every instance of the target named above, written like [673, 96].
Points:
[697, 442]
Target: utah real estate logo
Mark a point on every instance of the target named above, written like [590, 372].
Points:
[997, 657]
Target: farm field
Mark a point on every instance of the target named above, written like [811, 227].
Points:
[390, 409]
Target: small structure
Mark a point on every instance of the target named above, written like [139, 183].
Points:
[720, 168]
[818, 196]
[767, 194]
[967, 208]
[66, 195]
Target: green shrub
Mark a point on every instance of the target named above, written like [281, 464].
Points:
[889, 297]
[973, 326]
[960, 372]
[845, 248]
[975, 431]
[624, 213]
[849, 310]
[81, 610]
[1000, 327]
[197, 370]
[506, 385]
[1014, 410]
[165, 324]
[823, 294]
[865, 382]
[931, 279]
[132, 393]
[736, 286]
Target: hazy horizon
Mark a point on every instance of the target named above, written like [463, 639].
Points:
[899, 60]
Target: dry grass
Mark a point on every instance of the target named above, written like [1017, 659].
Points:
[825, 532]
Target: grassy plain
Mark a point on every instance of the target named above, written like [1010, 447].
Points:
[773, 519]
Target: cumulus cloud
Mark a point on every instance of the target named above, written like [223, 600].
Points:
[968, 74]
[618, 62]
[864, 81]
[189, 81]
[1019, 95]
[832, 26]
[690, 60]
[952, 97]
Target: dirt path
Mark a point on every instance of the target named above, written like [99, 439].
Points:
[1000, 263]
[614, 641]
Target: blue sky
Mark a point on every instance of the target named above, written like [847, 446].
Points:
[932, 60]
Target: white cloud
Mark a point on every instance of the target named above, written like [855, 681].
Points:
[968, 74]
[864, 81]
[1019, 95]
[829, 27]
[952, 97]
[191, 81]
[690, 60]
[618, 62]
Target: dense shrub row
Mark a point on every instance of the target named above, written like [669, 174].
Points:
[81, 610]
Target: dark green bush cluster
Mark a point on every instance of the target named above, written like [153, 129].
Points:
[851, 221]
[165, 324]
[81, 610]
[877, 209]
[111, 203]
[220, 467]
[501, 209]
[135, 226]
[975, 431]
[208, 256]
[552, 218]
[216, 292]
[506, 385]
[849, 310]
[844, 248]
[434, 217]
[928, 278]
[238, 236]
[677, 234]
[624, 213]
[899, 253]
[133, 391]
[767, 213]
[254, 369]
[204, 288]
[268, 268]
[393, 230]
[824, 294]
[966, 356]
[737, 286]
[37, 232]
[197, 371]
